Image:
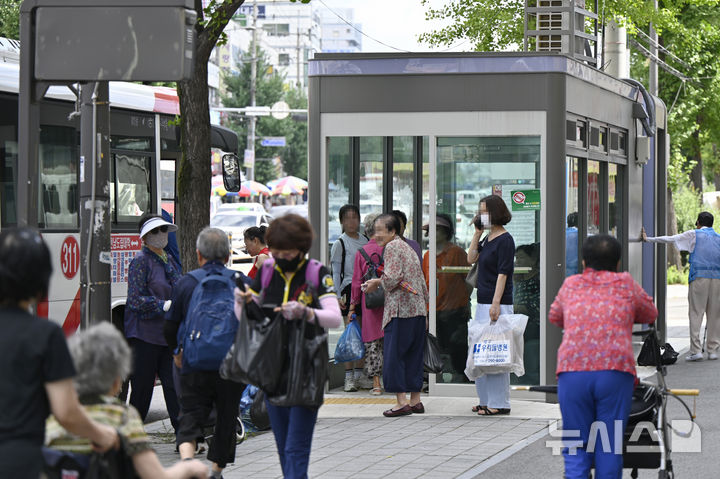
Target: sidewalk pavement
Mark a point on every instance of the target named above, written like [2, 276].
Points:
[353, 439]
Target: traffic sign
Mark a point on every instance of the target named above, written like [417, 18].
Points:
[273, 141]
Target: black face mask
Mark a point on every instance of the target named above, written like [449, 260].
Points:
[288, 265]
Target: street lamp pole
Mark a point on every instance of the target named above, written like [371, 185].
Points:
[253, 88]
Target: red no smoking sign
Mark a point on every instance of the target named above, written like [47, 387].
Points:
[69, 257]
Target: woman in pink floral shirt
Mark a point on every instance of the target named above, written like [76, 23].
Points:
[404, 317]
[596, 367]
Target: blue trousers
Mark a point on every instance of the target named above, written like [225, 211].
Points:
[293, 429]
[597, 404]
[403, 348]
[150, 360]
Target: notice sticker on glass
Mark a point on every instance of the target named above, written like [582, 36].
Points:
[523, 200]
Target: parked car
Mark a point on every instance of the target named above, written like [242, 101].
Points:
[257, 207]
[282, 210]
[234, 223]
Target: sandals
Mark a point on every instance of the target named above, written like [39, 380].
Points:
[478, 408]
[376, 391]
[498, 412]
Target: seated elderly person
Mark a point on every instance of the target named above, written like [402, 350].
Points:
[102, 359]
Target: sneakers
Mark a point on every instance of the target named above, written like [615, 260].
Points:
[712, 356]
[697, 357]
[364, 382]
[350, 385]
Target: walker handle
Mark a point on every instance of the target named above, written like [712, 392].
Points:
[684, 392]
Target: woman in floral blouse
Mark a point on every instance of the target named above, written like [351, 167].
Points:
[404, 317]
[595, 366]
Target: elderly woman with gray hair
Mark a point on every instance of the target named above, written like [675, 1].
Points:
[103, 360]
[372, 332]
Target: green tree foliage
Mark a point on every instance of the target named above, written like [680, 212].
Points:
[10, 19]
[270, 89]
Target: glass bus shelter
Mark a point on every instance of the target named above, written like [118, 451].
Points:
[432, 134]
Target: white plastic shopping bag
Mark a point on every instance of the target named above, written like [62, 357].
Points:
[496, 347]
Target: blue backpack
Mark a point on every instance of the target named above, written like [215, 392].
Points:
[210, 325]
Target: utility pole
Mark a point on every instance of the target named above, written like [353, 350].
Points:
[297, 48]
[95, 203]
[253, 89]
[653, 74]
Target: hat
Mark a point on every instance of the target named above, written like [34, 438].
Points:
[153, 223]
[440, 221]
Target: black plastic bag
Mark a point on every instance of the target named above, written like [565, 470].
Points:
[259, 413]
[306, 367]
[432, 361]
[256, 356]
[650, 351]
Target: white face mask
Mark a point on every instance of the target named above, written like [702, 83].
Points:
[485, 218]
[158, 240]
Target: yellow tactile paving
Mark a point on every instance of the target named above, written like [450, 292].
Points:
[352, 400]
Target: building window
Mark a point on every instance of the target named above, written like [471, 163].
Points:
[284, 59]
[277, 29]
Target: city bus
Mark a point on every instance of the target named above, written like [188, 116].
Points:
[144, 146]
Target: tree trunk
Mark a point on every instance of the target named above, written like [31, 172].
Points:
[194, 172]
[696, 176]
[193, 179]
[673, 254]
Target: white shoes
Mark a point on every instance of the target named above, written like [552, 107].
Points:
[712, 356]
[350, 385]
[698, 357]
[364, 382]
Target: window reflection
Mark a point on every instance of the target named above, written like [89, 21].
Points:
[469, 169]
[403, 178]
[593, 197]
[57, 164]
[614, 200]
[571, 215]
[131, 175]
[371, 175]
[339, 182]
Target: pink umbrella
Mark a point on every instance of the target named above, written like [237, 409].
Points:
[256, 188]
[289, 185]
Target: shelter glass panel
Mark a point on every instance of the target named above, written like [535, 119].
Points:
[371, 175]
[615, 200]
[593, 197]
[572, 187]
[339, 182]
[469, 169]
[403, 180]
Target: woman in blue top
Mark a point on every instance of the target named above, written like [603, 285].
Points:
[495, 257]
[151, 276]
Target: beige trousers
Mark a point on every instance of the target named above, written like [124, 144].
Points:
[704, 299]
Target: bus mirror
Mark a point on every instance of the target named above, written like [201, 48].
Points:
[231, 172]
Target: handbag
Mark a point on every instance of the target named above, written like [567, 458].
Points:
[256, 354]
[432, 361]
[471, 278]
[376, 298]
